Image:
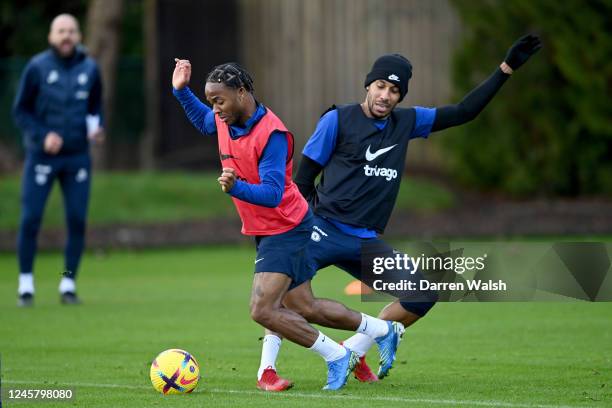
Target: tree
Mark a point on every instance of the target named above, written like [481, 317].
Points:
[103, 42]
[550, 130]
[152, 130]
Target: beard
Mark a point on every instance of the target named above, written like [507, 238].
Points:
[64, 49]
[372, 108]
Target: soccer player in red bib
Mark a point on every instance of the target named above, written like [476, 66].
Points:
[256, 152]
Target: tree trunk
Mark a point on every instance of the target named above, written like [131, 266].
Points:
[103, 40]
[152, 102]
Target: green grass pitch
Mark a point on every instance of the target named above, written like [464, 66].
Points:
[151, 198]
[137, 304]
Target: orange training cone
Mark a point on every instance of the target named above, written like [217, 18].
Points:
[357, 288]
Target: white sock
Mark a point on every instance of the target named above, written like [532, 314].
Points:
[327, 348]
[269, 353]
[26, 283]
[372, 326]
[359, 343]
[67, 285]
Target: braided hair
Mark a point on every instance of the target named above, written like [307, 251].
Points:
[231, 75]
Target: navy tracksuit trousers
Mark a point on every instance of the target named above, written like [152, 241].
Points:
[40, 172]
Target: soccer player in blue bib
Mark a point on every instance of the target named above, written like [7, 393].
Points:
[360, 150]
[58, 107]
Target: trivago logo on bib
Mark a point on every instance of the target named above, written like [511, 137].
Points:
[388, 174]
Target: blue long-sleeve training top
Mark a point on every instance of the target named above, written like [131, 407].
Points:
[272, 163]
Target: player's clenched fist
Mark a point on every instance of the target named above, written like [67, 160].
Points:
[227, 179]
[182, 73]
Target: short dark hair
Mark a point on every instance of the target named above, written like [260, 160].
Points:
[232, 75]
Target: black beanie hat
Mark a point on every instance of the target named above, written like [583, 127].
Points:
[393, 68]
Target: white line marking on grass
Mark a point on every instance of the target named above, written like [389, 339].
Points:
[329, 395]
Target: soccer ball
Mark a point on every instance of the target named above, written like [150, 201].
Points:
[175, 371]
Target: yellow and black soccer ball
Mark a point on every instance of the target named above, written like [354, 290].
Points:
[175, 371]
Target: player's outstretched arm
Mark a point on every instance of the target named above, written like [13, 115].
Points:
[475, 101]
[200, 115]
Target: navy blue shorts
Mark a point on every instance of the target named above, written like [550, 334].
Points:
[330, 246]
[287, 253]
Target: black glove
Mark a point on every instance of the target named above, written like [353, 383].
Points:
[522, 50]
